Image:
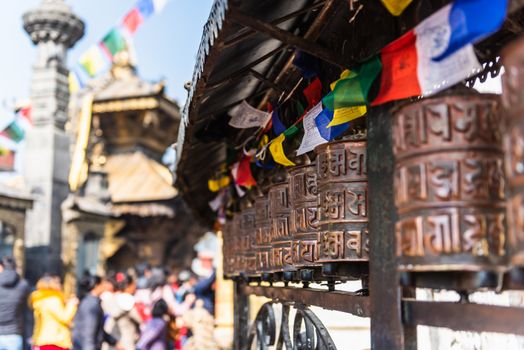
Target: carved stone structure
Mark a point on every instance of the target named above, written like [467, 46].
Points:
[54, 29]
[449, 184]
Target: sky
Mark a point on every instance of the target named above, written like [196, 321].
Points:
[166, 44]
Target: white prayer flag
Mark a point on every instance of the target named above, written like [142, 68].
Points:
[244, 116]
[312, 136]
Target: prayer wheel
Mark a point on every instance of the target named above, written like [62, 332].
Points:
[513, 104]
[236, 245]
[304, 219]
[247, 238]
[342, 205]
[228, 261]
[450, 191]
[280, 259]
[262, 235]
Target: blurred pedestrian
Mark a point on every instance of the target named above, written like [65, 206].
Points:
[52, 314]
[154, 336]
[88, 330]
[13, 295]
[123, 320]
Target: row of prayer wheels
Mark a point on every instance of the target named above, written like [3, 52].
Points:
[459, 197]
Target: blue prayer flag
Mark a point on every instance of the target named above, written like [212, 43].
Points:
[145, 7]
[329, 133]
[471, 21]
[278, 126]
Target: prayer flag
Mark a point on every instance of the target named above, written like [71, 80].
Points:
[145, 7]
[114, 42]
[408, 68]
[278, 127]
[159, 5]
[133, 20]
[312, 137]
[14, 132]
[396, 7]
[307, 64]
[245, 116]
[329, 133]
[313, 93]
[93, 61]
[471, 21]
[7, 159]
[347, 114]
[277, 147]
[353, 87]
[241, 172]
[74, 84]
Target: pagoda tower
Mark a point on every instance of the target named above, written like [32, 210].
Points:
[53, 29]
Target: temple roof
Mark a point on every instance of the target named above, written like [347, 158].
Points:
[134, 177]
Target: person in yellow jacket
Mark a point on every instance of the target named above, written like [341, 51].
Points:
[53, 315]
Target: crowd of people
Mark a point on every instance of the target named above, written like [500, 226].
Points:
[141, 308]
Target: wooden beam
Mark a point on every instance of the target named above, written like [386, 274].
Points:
[249, 32]
[287, 38]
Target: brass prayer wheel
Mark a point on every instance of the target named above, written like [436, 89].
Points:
[304, 216]
[280, 259]
[247, 238]
[342, 203]
[262, 234]
[513, 104]
[449, 185]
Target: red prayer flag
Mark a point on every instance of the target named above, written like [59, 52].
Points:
[313, 93]
[399, 73]
[133, 20]
[244, 177]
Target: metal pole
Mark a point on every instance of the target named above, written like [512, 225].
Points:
[241, 318]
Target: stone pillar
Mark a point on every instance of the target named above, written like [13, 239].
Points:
[54, 29]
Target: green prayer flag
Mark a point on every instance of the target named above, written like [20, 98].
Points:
[292, 130]
[353, 88]
[114, 42]
[14, 132]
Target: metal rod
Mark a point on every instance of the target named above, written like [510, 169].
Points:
[288, 38]
[339, 301]
[249, 32]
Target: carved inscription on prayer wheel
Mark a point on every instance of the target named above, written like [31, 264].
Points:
[449, 184]
[304, 216]
[228, 260]
[280, 258]
[513, 103]
[236, 245]
[262, 234]
[342, 201]
[247, 238]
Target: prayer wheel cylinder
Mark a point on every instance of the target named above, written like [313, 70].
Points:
[236, 246]
[280, 259]
[342, 205]
[262, 235]
[450, 190]
[228, 260]
[304, 216]
[248, 232]
[513, 104]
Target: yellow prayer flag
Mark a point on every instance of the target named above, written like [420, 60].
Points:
[277, 150]
[396, 7]
[344, 75]
[74, 85]
[93, 61]
[224, 181]
[344, 115]
[213, 185]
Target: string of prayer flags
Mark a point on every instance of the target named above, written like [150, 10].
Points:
[113, 43]
[471, 21]
[276, 147]
[93, 61]
[241, 172]
[312, 137]
[409, 69]
[244, 116]
[329, 132]
[13, 131]
[396, 7]
[353, 87]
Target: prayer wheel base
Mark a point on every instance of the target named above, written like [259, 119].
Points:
[354, 270]
[466, 281]
[514, 279]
